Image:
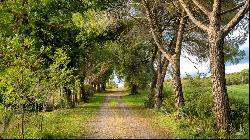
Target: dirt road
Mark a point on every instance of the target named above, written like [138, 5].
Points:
[115, 120]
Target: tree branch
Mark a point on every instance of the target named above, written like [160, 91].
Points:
[202, 7]
[216, 6]
[222, 13]
[236, 18]
[190, 15]
[180, 33]
[155, 30]
[232, 9]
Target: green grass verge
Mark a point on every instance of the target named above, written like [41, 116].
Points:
[166, 123]
[136, 100]
[113, 102]
[239, 91]
[180, 128]
[62, 123]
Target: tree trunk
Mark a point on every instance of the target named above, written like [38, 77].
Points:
[68, 97]
[98, 87]
[152, 91]
[179, 99]
[134, 89]
[61, 97]
[103, 86]
[95, 87]
[75, 98]
[154, 79]
[160, 80]
[220, 96]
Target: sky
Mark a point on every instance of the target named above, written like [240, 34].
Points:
[189, 68]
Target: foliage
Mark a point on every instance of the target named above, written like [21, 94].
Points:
[238, 77]
[197, 120]
[197, 111]
[132, 55]
[63, 123]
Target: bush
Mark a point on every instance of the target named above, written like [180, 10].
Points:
[198, 109]
[239, 115]
[238, 77]
[168, 102]
[198, 103]
[88, 92]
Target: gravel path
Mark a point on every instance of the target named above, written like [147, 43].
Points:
[119, 122]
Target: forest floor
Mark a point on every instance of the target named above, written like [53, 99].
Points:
[116, 119]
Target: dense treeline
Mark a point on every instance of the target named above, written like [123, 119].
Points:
[238, 77]
[49, 59]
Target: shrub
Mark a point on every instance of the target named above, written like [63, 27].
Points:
[239, 115]
[88, 92]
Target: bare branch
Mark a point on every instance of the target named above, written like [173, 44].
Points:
[236, 18]
[155, 30]
[222, 13]
[216, 6]
[202, 7]
[180, 33]
[232, 9]
[190, 15]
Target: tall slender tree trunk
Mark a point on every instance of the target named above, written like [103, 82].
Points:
[95, 87]
[179, 98]
[103, 85]
[216, 36]
[160, 79]
[98, 87]
[152, 90]
[68, 97]
[220, 96]
[75, 97]
[154, 78]
[61, 96]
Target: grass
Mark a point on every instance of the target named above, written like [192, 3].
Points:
[182, 127]
[136, 100]
[165, 123]
[239, 91]
[113, 102]
[61, 123]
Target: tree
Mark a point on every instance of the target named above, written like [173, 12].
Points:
[216, 35]
[132, 59]
[172, 51]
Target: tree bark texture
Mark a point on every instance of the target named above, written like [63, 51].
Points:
[216, 35]
[179, 98]
[154, 79]
[220, 96]
[160, 80]
[161, 72]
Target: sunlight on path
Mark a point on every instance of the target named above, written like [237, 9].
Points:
[115, 120]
